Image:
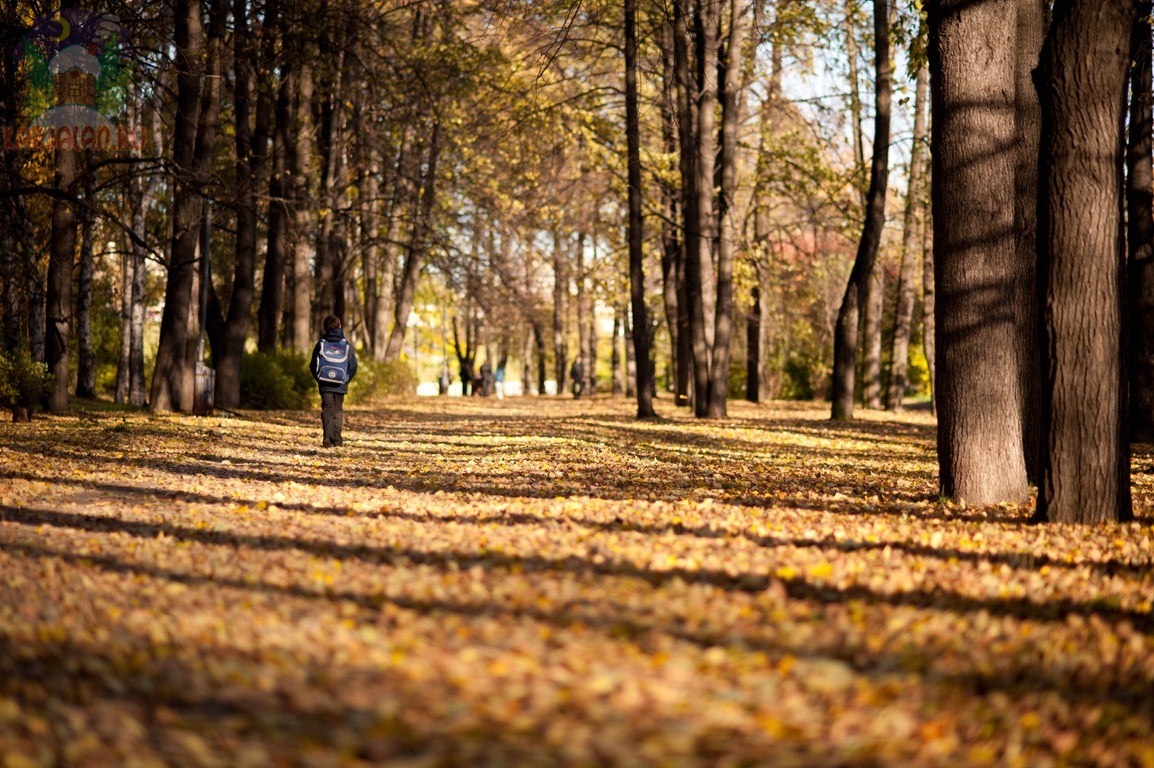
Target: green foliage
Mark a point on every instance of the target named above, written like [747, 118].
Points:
[376, 380]
[23, 381]
[276, 381]
[806, 369]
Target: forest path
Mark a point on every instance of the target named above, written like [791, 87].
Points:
[550, 582]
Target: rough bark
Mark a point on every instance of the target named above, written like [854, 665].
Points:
[1082, 89]
[298, 334]
[1031, 31]
[689, 276]
[1140, 233]
[672, 243]
[61, 255]
[972, 66]
[86, 357]
[846, 331]
[911, 256]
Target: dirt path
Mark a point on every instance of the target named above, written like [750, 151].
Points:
[549, 583]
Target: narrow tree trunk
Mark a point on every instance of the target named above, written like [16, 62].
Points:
[672, 244]
[699, 229]
[753, 348]
[251, 143]
[280, 187]
[732, 106]
[907, 276]
[1031, 31]
[86, 357]
[689, 276]
[846, 332]
[642, 330]
[560, 312]
[298, 331]
[929, 331]
[978, 396]
[1140, 233]
[871, 364]
[1082, 88]
[120, 391]
[418, 245]
[62, 254]
[859, 181]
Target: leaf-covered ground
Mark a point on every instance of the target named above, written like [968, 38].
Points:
[550, 583]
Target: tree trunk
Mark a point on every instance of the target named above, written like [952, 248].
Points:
[280, 186]
[698, 207]
[542, 366]
[1031, 31]
[859, 182]
[62, 254]
[846, 331]
[672, 244]
[689, 276]
[1082, 88]
[120, 391]
[907, 278]
[560, 312]
[86, 357]
[929, 333]
[732, 107]
[978, 398]
[298, 331]
[642, 329]
[753, 347]
[871, 363]
[251, 151]
[1140, 234]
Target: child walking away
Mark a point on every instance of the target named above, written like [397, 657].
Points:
[334, 365]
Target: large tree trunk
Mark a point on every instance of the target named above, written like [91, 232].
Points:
[1140, 233]
[61, 255]
[907, 278]
[846, 332]
[1082, 88]
[978, 395]
[642, 330]
[86, 357]
[1031, 32]
[689, 277]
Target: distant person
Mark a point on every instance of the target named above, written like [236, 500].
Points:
[577, 375]
[486, 379]
[499, 379]
[466, 377]
[334, 365]
[444, 381]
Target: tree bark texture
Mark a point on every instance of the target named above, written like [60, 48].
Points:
[854, 299]
[1082, 85]
[86, 352]
[1140, 234]
[1031, 32]
[299, 306]
[642, 330]
[973, 102]
[61, 256]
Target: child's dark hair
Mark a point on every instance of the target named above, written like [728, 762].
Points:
[332, 322]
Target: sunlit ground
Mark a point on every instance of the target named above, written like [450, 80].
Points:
[550, 583]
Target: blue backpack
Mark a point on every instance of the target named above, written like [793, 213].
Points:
[333, 367]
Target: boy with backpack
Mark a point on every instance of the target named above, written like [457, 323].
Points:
[334, 365]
